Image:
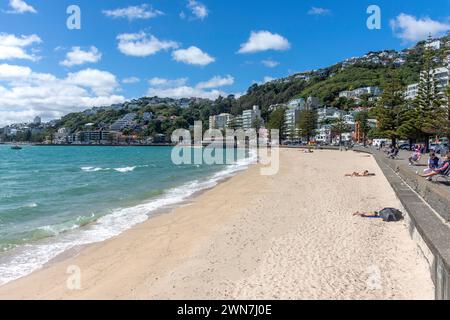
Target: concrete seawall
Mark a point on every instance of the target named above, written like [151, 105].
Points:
[428, 209]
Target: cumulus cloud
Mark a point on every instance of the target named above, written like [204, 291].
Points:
[25, 94]
[198, 9]
[77, 56]
[412, 29]
[101, 82]
[143, 11]
[20, 6]
[163, 82]
[142, 45]
[178, 88]
[14, 47]
[131, 80]
[263, 41]
[192, 55]
[315, 11]
[270, 63]
[216, 82]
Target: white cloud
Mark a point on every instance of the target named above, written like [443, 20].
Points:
[268, 79]
[216, 82]
[184, 92]
[142, 45]
[20, 6]
[162, 82]
[270, 63]
[25, 94]
[192, 55]
[178, 88]
[263, 41]
[411, 29]
[11, 72]
[134, 12]
[315, 11]
[131, 80]
[77, 56]
[101, 82]
[198, 9]
[13, 47]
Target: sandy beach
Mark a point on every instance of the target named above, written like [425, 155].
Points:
[288, 236]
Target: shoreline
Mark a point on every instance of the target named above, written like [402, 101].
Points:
[166, 206]
[265, 244]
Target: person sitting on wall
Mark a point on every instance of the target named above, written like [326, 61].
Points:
[415, 157]
[441, 170]
[433, 163]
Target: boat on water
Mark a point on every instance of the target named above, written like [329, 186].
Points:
[16, 147]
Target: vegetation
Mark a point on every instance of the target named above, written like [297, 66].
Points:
[276, 121]
[391, 108]
[308, 123]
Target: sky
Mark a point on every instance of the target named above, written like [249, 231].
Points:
[125, 49]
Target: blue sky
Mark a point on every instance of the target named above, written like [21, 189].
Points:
[128, 49]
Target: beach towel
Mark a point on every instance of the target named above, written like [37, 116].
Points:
[390, 214]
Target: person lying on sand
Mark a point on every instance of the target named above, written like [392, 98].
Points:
[387, 214]
[306, 150]
[357, 174]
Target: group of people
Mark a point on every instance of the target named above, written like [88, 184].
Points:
[435, 166]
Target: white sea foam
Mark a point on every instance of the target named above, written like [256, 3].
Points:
[126, 169]
[23, 260]
[93, 169]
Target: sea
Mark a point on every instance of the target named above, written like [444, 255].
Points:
[56, 198]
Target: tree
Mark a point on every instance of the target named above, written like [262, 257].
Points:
[362, 118]
[339, 127]
[277, 122]
[307, 124]
[391, 107]
[430, 100]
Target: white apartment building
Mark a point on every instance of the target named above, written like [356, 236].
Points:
[436, 45]
[355, 94]
[219, 121]
[328, 113]
[250, 116]
[297, 103]
[291, 118]
[441, 78]
[411, 91]
[123, 122]
[234, 122]
[324, 134]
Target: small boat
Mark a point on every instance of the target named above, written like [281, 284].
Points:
[16, 147]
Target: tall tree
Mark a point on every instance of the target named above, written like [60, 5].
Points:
[391, 107]
[277, 122]
[430, 98]
[307, 124]
[362, 118]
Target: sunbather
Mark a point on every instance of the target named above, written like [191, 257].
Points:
[357, 174]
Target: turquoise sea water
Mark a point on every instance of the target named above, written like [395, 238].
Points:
[49, 196]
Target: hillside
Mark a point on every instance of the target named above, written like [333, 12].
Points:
[168, 114]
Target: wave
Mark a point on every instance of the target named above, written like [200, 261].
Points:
[23, 260]
[121, 170]
[93, 169]
[126, 169]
